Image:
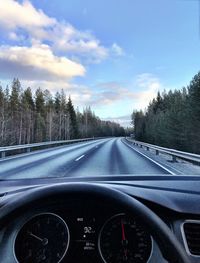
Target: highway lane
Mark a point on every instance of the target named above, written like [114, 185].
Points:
[99, 157]
[112, 158]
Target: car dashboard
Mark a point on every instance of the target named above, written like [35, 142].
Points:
[90, 231]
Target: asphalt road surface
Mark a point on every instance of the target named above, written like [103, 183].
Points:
[110, 156]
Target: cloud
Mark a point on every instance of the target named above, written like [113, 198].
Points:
[36, 62]
[13, 15]
[23, 18]
[113, 91]
[14, 36]
[148, 80]
[68, 39]
[80, 94]
[124, 121]
[117, 50]
[148, 86]
[109, 85]
[143, 89]
[106, 97]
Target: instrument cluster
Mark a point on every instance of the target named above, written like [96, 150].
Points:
[66, 236]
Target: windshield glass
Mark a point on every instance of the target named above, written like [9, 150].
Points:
[91, 88]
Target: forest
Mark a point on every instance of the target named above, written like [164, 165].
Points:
[172, 119]
[27, 117]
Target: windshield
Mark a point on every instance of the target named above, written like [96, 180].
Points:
[92, 88]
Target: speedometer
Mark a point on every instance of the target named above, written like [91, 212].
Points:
[123, 239]
[43, 239]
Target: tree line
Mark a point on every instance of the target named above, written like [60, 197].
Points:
[27, 117]
[172, 119]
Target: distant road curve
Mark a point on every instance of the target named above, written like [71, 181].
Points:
[110, 156]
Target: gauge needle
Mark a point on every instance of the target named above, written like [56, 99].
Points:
[38, 238]
[124, 241]
[43, 240]
[123, 231]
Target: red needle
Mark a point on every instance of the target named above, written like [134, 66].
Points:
[123, 239]
[123, 232]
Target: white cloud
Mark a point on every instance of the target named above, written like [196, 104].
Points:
[148, 86]
[68, 39]
[124, 121]
[13, 15]
[117, 50]
[37, 62]
[13, 36]
[143, 89]
[80, 94]
[63, 37]
[147, 80]
[109, 85]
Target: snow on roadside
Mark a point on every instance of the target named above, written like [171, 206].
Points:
[179, 167]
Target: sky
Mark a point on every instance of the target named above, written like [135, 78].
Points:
[111, 55]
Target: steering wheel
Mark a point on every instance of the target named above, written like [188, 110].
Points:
[170, 247]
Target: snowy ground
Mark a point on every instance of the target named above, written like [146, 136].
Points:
[179, 167]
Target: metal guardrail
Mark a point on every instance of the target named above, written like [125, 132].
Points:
[190, 157]
[28, 147]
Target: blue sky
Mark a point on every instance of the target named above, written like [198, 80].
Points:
[111, 55]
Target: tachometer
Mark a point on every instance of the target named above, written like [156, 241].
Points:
[123, 239]
[43, 239]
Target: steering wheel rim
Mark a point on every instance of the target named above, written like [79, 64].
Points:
[169, 246]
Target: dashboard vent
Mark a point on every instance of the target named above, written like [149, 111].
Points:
[191, 236]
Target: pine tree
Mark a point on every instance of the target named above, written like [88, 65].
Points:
[28, 108]
[15, 109]
[40, 130]
[72, 119]
[49, 106]
[194, 112]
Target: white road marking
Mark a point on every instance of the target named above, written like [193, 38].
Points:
[150, 159]
[77, 159]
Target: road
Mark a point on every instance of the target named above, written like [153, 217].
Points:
[99, 157]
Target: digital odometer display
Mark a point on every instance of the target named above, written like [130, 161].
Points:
[122, 239]
[43, 239]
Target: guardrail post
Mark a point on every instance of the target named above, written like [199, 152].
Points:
[28, 150]
[157, 152]
[173, 158]
[3, 154]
